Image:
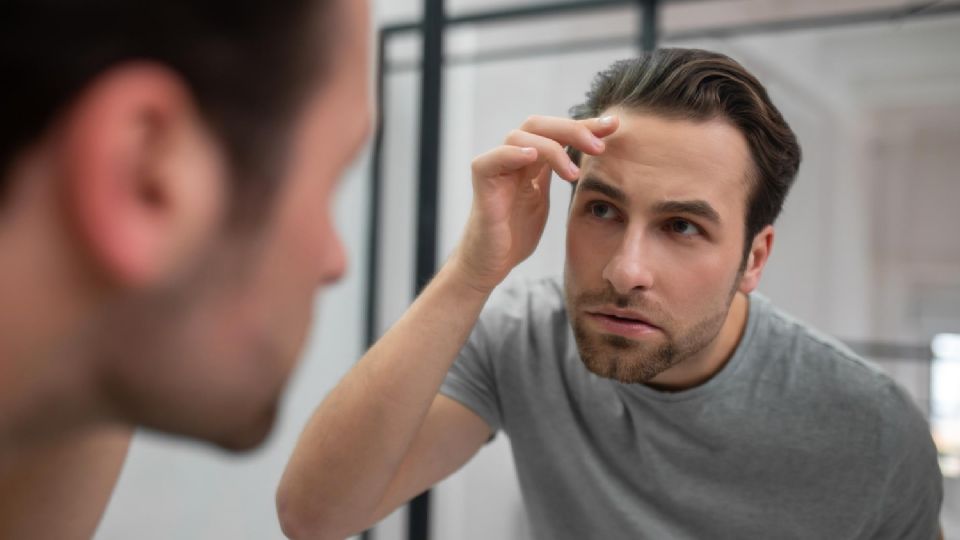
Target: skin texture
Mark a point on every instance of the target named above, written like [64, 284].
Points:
[129, 300]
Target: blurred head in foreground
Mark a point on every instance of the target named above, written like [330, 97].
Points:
[168, 169]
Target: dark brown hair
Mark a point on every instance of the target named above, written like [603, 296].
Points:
[244, 61]
[701, 85]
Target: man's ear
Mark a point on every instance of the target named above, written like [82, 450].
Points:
[144, 180]
[757, 259]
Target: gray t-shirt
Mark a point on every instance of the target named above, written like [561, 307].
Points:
[796, 437]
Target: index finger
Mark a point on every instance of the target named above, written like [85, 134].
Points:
[584, 135]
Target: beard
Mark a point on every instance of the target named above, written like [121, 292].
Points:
[633, 361]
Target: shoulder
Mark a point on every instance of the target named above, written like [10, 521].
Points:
[523, 315]
[809, 352]
[840, 383]
[865, 429]
[526, 300]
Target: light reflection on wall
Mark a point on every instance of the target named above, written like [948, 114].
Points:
[945, 401]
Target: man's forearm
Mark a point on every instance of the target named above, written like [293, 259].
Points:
[357, 438]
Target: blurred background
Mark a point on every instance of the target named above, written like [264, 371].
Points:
[867, 246]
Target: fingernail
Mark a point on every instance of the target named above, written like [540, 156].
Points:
[528, 150]
[597, 143]
[574, 170]
[606, 120]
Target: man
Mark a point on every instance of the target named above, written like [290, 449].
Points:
[649, 394]
[168, 168]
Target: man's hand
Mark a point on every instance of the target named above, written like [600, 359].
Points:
[511, 195]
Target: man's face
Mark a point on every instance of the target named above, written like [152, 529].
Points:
[654, 244]
[212, 356]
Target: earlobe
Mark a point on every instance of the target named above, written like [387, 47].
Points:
[140, 183]
[757, 259]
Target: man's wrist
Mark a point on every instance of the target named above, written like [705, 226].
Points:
[457, 275]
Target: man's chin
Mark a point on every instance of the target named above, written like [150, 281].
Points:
[624, 360]
[612, 369]
[249, 434]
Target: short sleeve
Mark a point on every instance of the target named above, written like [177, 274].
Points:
[913, 495]
[471, 380]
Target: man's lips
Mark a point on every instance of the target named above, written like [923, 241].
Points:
[624, 322]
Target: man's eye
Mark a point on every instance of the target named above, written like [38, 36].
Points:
[602, 210]
[683, 227]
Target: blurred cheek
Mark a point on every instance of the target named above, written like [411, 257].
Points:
[313, 245]
[305, 240]
[315, 249]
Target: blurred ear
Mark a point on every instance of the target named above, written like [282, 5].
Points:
[757, 259]
[144, 180]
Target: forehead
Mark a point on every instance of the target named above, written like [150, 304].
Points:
[653, 158]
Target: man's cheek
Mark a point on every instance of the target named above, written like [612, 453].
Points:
[576, 247]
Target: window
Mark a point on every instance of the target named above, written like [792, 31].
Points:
[945, 401]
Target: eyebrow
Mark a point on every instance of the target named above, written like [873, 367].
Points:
[694, 207]
[592, 184]
[697, 208]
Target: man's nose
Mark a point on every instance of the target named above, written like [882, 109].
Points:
[629, 269]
